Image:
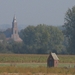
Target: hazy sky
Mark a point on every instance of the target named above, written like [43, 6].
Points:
[34, 12]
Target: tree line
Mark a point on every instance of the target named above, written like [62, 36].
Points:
[40, 39]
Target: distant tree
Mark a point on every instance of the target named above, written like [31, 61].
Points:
[8, 32]
[18, 48]
[2, 37]
[42, 39]
[70, 29]
[2, 48]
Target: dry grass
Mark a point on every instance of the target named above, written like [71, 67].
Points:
[36, 71]
[33, 74]
[15, 70]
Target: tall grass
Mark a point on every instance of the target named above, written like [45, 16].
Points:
[37, 70]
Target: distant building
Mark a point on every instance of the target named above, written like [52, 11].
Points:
[15, 36]
[52, 60]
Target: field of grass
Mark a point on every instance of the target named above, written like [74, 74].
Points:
[46, 70]
[33, 74]
[22, 58]
[33, 58]
[33, 64]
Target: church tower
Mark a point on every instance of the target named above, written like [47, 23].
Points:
[15, 36]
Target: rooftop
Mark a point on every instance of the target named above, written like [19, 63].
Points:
[54, 56]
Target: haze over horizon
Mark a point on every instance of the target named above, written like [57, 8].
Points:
[34, 12]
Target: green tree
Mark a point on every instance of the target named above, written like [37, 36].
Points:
[2, 37]
[70, 29]
[42, 39]
[17, 48]
[8, 32]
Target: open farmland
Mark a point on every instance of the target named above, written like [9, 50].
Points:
[33, 64]
[33, 58]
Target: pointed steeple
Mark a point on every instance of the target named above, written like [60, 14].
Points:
[14, 18]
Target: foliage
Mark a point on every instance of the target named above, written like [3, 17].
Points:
[70, 29]
[38, 39]
[2, 37]
[8, 32]
[42, 39]
[18, 47]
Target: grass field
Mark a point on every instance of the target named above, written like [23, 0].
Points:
[35, 64]
[31, 74]
[34, 70]
[33, 58]
[72, 65]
